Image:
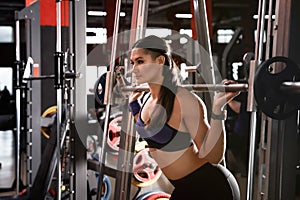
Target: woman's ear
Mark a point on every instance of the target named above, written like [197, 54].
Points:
[161, 59]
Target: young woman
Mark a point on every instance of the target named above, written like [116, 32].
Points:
[174, 123]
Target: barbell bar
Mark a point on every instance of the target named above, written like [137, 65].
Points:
[66, 75]
[290, 87]
[286, 87]
[196, 87]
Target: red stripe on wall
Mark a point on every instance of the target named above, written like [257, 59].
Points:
[48, 13]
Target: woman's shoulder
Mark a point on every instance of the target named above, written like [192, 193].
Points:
[181, 92]
[187, 96]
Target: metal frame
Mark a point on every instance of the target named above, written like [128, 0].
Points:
[31, 15]
[108, 98]
[279, 138]
[80, 104]
[283, 135]
[128, 137]
[251, 107]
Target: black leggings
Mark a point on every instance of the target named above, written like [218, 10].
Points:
[209, 182]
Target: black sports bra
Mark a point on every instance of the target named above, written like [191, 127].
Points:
[164, 137]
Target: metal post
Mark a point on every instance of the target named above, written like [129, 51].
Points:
[18, 105]
[108, 97]
[71, 109]
[264, 147]
[58, 85]
[80, 104]
[128, 136]
[206, 59]
[29, 124]
[251, 103]
[203, 38]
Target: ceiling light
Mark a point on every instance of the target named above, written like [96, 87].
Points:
[183, 16]
[103, 13]
[97, 13]
[266, 16]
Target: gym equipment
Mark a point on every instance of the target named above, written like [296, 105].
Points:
[273, 94]
[233, 183]
[109, 93]
[154, 195]
[47, 166]
[108, 97]
[145, 169]
[99, 89]
[114, 130]
[198, 87]
[106, 189]
[91, 144]
[49, 113]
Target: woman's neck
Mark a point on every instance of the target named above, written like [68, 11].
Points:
[154, 90]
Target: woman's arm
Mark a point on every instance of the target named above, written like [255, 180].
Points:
[209, 138]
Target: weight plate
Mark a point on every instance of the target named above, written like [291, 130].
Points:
[269, 97]
[145, 169]
[99, 90]
[154, 195]
[48, 113]
[113, 136]
[106, 188]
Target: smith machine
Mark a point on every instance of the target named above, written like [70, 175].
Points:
[273, 88]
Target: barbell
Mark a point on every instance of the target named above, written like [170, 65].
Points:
[276, 87]
[198, 87]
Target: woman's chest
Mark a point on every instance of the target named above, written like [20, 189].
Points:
[153, 112]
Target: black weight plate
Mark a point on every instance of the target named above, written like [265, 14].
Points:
[99, 90]
[270, 99]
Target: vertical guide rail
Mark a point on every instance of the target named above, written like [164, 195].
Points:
[206, 59]
[108, 97]
[203, 36]
[251, 103]
[58, 85]
[264, 147]
[71, 99]
[18, 104]
[128, 134]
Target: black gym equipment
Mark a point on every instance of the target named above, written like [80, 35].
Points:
[274, 91]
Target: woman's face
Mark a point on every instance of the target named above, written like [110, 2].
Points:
[145, 69]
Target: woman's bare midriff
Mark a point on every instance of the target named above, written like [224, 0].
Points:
[176, 165]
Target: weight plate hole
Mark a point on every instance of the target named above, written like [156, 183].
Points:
[276, 68]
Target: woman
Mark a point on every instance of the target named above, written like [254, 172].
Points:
[174, 123]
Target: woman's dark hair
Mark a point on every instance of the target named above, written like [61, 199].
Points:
[156, 46]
